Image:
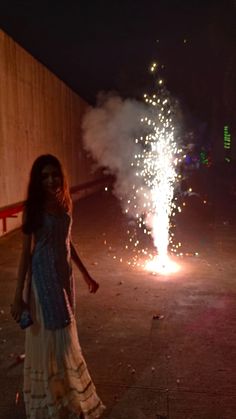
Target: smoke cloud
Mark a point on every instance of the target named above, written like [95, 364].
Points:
[109, 133]
[136, 143]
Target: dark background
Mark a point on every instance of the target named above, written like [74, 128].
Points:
[109, 45]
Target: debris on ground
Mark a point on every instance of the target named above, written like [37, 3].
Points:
[158, 316]
[20, 358]
[17, 397]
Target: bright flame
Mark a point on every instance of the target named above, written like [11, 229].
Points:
[163, 266]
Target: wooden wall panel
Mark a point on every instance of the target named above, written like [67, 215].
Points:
[39, 114]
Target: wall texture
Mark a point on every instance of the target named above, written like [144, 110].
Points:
[38, 114]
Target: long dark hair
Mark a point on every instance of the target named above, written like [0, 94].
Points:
[35, 201]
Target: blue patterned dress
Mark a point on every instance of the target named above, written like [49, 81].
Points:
[52, 271]
[56, 378]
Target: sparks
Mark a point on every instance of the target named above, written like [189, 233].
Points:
[156, 167]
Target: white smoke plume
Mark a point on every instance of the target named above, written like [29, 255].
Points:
[109, 133]
[136, 142]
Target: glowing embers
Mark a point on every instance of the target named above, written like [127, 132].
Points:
[156, 165]
[162, 265]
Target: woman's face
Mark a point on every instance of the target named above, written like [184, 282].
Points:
[51, 179]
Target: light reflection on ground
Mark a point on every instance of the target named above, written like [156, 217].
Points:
[163, 267]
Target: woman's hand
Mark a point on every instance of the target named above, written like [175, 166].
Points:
[92, 284]
[17, 308]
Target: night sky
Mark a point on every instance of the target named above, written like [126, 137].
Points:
[109, 45]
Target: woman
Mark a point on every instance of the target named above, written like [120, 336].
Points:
[56, 380]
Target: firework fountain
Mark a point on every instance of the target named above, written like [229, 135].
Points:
[157, 166]
[136, 142]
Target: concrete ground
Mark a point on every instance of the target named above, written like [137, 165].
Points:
[156, 346]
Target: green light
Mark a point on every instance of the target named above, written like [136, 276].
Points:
[203, 157]
[227, 138]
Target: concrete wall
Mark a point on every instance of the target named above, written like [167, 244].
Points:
[38, 114]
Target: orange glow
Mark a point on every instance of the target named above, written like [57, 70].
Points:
[163, 267]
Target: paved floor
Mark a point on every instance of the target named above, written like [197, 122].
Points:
[157, 347]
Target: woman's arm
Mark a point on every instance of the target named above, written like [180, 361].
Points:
[18, 303]
[93, 285]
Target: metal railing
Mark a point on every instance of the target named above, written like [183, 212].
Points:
[11, 211]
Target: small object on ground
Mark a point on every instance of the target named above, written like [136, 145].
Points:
[17, 397]
[20, 358]
[158, 316]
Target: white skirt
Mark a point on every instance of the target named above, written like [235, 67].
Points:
[57, 383]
